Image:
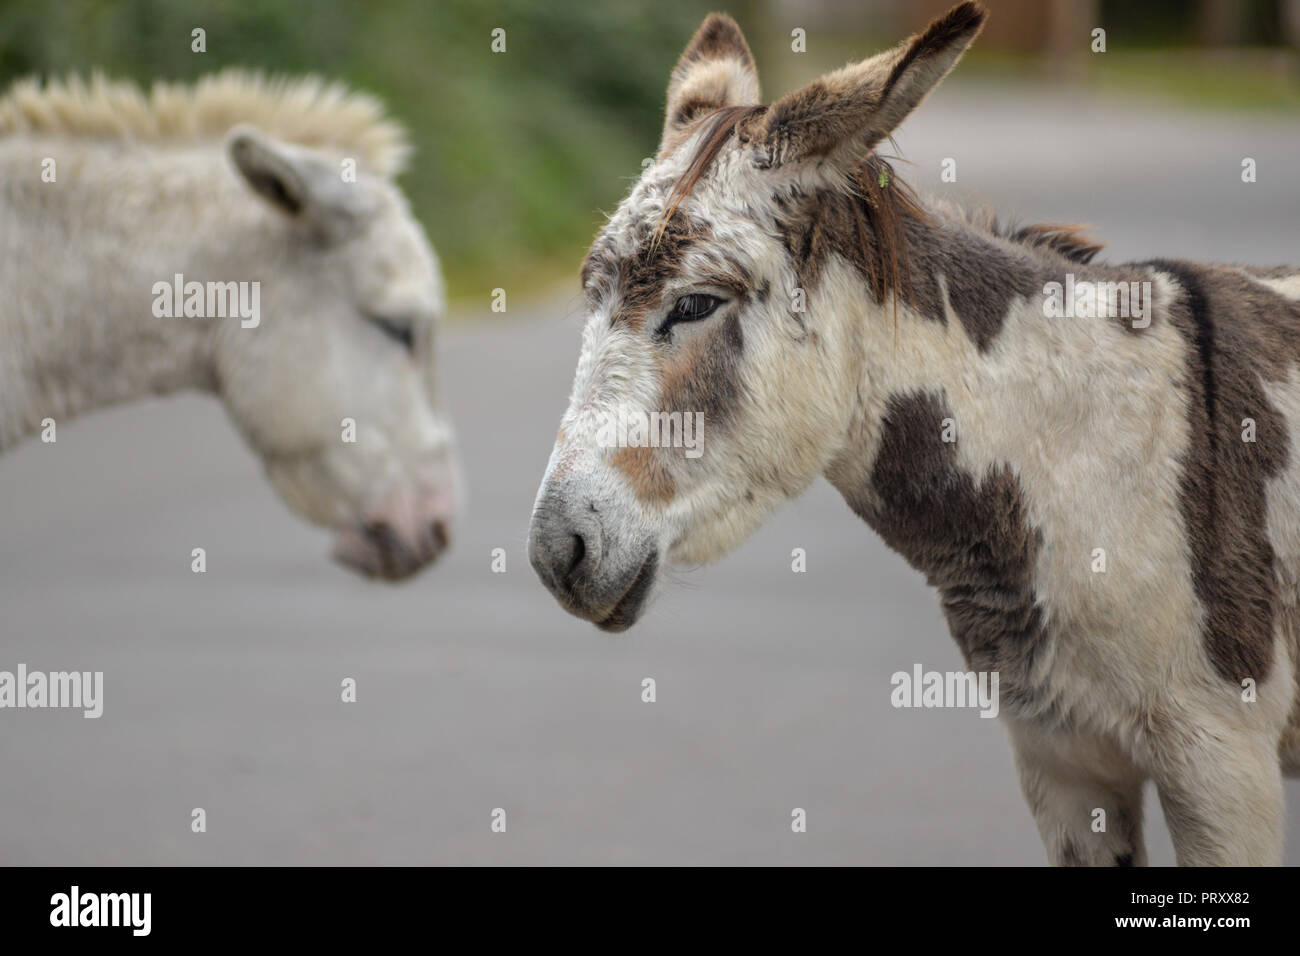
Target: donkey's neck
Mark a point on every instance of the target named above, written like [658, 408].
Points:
[943, 452]
[79, 258]
[904, 468]
[957, 293]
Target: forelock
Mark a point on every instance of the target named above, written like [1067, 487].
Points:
[660, 197]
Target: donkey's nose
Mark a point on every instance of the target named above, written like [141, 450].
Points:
[562, 551]
[384, 549]
[439, 536]
[579, 554]
[597, 567]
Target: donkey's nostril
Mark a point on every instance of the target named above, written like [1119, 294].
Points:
[576, 556]
[381, 533]
[438, 532]
[565, 546]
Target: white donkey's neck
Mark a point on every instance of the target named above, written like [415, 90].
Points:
[79, 257]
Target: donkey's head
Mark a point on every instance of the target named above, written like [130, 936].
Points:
[336, 387]
[715, 302]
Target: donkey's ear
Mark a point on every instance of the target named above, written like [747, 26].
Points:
[716, 70]
[842, 116]
[297, 181]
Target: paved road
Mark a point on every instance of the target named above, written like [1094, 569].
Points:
[475, 691]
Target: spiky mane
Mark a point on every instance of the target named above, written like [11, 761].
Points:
[305, 110]
[1066, 239]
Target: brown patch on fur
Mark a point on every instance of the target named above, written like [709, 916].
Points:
[981, 279]
[640, 277]
[704, 375]
[647, 471]
[1239, 335]
[700, 376]
[971, 538]
[902, 251]
[869, 230]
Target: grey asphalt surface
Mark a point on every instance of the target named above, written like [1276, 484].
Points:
[475, 691]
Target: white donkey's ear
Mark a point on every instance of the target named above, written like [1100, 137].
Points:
[838, 119]
[716, 70]
[297, 181]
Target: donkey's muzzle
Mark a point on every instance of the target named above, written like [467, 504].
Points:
[378, 550]
[590, 570]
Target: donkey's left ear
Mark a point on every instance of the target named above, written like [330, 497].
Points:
[842, 116]
[716, 70]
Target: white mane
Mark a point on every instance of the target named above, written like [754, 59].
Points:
[305, 110]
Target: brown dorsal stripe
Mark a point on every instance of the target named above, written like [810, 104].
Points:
[1239, 335]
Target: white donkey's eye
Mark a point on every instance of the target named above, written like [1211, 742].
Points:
[397, 330]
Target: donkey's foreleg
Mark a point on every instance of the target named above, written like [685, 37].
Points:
[1222, 799]
[1085, 797]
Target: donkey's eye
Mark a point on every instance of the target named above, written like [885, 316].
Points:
[689, 308]
[694, 306]
[398, 331]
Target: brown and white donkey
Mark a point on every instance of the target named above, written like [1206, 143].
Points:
[768, 273]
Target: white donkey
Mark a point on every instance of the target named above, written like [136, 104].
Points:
[242, 237]
[769, 273]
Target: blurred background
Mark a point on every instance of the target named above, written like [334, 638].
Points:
[559, 123]
[474, 690]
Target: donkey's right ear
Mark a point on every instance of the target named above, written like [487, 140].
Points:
[716, 70]
[299, 182]
[832, 123]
